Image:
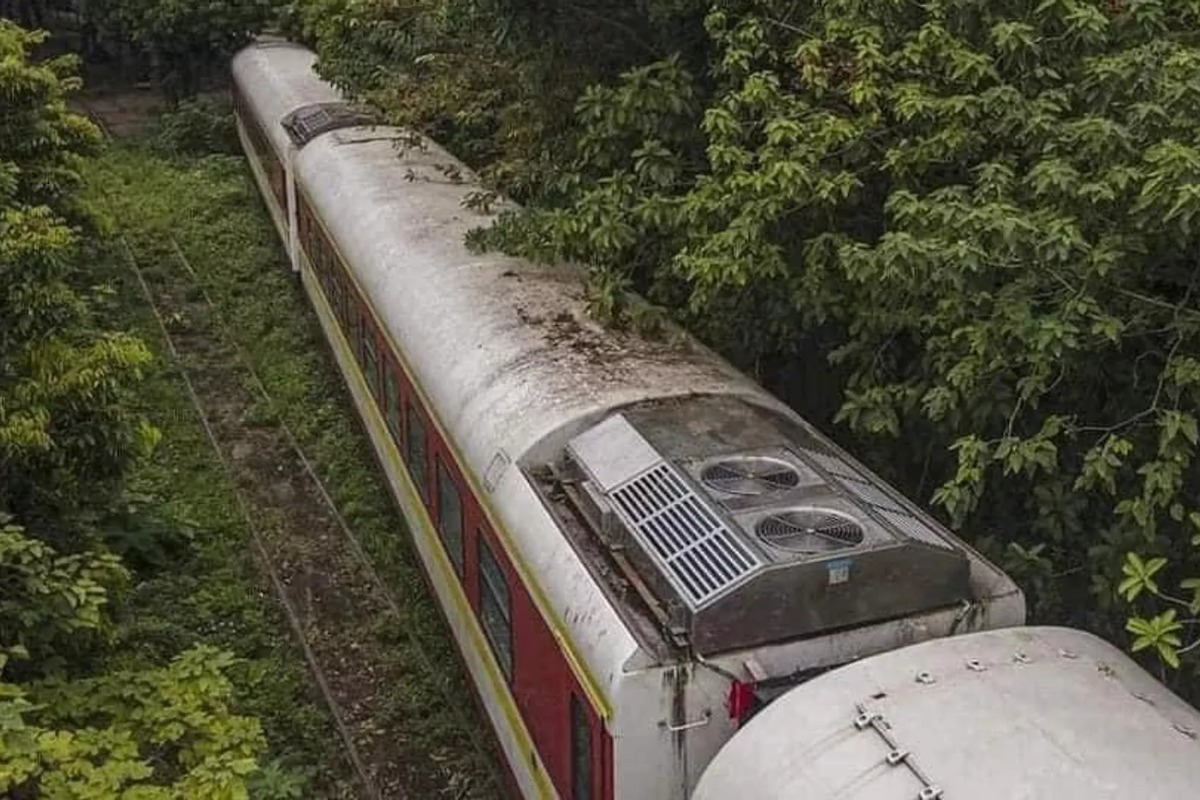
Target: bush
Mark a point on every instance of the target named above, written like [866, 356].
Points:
[196, 127]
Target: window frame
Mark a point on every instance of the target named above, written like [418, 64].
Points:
[391, 401]
[504, 652]
[417, 439]
[369, 353]
[449, 496]
[580, 720]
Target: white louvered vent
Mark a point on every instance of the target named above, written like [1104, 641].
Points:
[701, 557]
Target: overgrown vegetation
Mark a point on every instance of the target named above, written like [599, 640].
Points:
[138, 655]
[972, 224]
[958, 235]
[210, 208]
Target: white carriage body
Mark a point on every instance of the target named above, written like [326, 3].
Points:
[503, 353]
[1016, 714]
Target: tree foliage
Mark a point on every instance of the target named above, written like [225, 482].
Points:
[986, 215]
[188, 39]
[64, 434]
[494, 81]
[68, 729]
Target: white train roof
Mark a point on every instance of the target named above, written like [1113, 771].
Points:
[502, 346]
[278, 77]
[1015, 714]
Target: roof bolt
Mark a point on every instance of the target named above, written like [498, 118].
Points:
[925, 677]
[1021, 658]
[929, 793]
[1186, 730]
[865, 719]
[896, 757]
[1068, 654]
[975, 665]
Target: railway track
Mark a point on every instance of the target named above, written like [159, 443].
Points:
[317, 568]
[355, 633]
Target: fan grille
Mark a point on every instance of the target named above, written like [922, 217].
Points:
[750, 476]
[810, 531]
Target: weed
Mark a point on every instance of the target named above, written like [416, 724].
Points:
[211, 209]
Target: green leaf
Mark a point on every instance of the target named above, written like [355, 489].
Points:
[1139, 576]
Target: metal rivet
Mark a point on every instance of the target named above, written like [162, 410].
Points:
[896, 757]
[864, 720]
[1021, 658]
[925, 677]
[1186, 730]
[975, 665]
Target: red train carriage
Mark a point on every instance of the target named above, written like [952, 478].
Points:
[634, 545]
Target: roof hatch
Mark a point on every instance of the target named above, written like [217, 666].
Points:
[746, 547]
[308, 122]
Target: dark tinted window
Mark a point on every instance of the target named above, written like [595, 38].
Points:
[495, 607]
[391, 402]
[416, 455]
[370, 356]
[450, 516]
[581, 751]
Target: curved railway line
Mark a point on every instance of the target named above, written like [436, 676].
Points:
[314, 561]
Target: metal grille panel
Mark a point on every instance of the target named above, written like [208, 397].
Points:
[831, 464]
[872, 495]
[694, 548]
[914, 528]
[877, 500]
[307, 123]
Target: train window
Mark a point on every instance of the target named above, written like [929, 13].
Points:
[354, 319]
[391, 401]
[415, 453]
[370, 356]
[327, 265]
[450, 516]
[335, 297]
[495, 607]
[581, 751]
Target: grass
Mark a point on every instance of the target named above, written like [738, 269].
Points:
[211, 209]
[211, 591]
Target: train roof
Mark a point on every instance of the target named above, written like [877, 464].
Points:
[504, 351]
[1015, 714]
[279, 77]
[503, 347]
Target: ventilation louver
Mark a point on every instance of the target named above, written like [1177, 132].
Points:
[875, 499]
[751, 476]
[308, 122]
[697, 551]
[810, 531]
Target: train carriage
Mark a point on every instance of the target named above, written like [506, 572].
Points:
[635, 546]
[1013, 714]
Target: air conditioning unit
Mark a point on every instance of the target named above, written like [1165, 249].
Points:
[763, 545]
